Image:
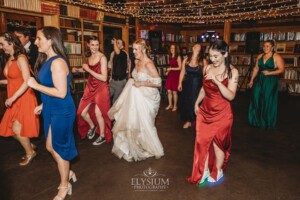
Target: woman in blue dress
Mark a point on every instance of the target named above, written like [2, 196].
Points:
[57, 104]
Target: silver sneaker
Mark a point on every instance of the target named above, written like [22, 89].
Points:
[91, 133]
[100, 140]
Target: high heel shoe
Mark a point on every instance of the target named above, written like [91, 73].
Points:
[33, 148]
[174, 109]
[72, 176]
[68, 191]
[27, 159]
[169, 107]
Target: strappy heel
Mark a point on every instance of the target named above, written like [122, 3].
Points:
[72, 176]
[68, 192]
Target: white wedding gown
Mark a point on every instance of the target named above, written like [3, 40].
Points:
[134, 132]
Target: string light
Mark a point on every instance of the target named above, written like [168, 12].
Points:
[195, 11]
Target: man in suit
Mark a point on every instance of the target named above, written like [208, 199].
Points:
[24, 36]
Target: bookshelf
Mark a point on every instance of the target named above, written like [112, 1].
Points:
[76, 25]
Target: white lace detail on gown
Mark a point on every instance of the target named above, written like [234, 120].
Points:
[134, 132]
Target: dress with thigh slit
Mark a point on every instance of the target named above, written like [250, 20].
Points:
[213, 124]
[22, 110]
[58, 114]
[96, 93]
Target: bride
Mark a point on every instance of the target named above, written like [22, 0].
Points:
[134, 132]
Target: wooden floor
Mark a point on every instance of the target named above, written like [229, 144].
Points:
[264, 164]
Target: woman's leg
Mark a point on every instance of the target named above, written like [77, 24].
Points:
[175, 97]
[100, 120]
[220, 156]
[86, 117]
[25, 142]
[169, 100]
[63, 167]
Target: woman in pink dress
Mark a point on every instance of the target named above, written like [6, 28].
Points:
[95, 103]
[172, 82]
[214, 116]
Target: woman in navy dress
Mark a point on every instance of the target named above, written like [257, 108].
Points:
[190, 83]
[57, 104]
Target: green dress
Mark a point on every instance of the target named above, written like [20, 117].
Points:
[264, 98]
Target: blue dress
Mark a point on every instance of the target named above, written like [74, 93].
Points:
[59, 114]
[190, 89]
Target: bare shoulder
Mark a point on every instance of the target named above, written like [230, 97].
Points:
[22, 58]
[149, 65]
[234, 71]
[277, 56]
[59, 64]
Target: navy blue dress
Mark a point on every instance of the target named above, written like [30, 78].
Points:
[190, 89]
[59, 114]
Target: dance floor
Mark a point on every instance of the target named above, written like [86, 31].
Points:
[264, 164]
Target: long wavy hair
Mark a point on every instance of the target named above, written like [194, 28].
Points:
[88, 52]
[176, 51]
[199, 59]
[222, 47]
[53, 34]
[11, 38]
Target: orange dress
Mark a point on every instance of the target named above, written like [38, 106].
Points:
[22, 109]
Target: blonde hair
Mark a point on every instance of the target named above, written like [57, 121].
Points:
[142, 43]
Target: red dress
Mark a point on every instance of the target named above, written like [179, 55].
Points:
[97, 94]
[213, 124]
[173, 76]
[22, 109]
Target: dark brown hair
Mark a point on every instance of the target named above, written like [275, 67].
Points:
[222, 47]
[17, 45]
[176, 51]
[199, 58]
[88, 52]
[53, 34]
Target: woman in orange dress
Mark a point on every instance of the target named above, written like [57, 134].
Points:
[19, 119]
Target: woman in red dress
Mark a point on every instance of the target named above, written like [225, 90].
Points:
[95, 102]
[214, 116]
[172, 81]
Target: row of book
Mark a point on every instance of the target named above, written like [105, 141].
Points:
[69, 10]
[31, 5]
[165, 37]
[291, 74]
[240, 60]
[72, 23]
[75, 60]
[277, 36]
[169, 37]
[294, 88]
[162, 59]
[72, 48]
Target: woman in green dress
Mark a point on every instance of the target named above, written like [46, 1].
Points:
[264, 84]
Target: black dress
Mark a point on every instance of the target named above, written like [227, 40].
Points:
[190, 90]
